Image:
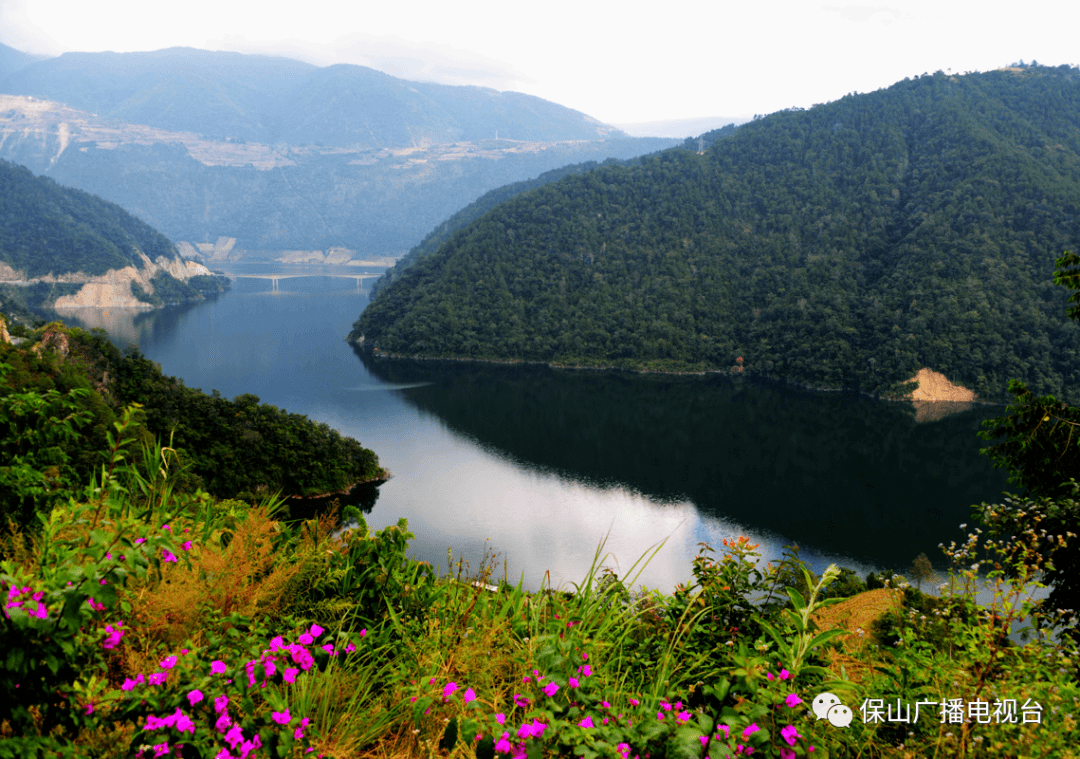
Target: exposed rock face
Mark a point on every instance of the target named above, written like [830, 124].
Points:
[113, 289]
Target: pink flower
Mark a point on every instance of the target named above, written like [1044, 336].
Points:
[168, 555]
[306, 639]
[350, 648]
[130, 684]
[183, 723]
[450, 688]
[363, 632]
[587, 722]
[217, 668]
[587, 670]
[139, 541]
[290, 674]
[683, 717]
[166, 527]
[222, 723]
[789, 734]
[750, 730]
[90, 708]
[503, 746]
[784, 674]
[168, 662]
[792, 700]
[469, 695]
[195, 696]
[315, 631]
[786, 753]
[161, 749]
[221, 703]
[500, 718]
[573, 682]
[282, 718]
[158, 678]
[328, 648]
[634, 702]
[187, 545]
[551, 689]
[234, 736]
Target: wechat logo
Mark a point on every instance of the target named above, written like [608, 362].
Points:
[828, 706]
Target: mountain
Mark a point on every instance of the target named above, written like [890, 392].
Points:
[70, 248]
[266, 99]
[847, 245]
[12, 60]
[281, 154]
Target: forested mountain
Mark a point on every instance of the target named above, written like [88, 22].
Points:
[282, 154]
[51, 234]
[12, 60]
[845, 245]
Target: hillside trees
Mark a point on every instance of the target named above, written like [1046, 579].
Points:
[1040, 446]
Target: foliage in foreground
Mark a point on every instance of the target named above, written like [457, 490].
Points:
[139, 621]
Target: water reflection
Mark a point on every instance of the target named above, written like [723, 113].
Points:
[849, 476]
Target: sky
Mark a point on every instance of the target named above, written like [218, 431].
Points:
[618, 62]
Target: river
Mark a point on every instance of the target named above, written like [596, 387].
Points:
[538, 465]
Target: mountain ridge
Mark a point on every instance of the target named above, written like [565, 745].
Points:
[846, 245]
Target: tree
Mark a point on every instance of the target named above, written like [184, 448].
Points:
[921, 569]
[1042, 453]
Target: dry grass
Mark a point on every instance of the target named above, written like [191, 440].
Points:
[856, 615]
[243, 577]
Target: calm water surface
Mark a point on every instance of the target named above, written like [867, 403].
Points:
[539, 465]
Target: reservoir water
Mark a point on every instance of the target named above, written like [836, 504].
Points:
[539, 465]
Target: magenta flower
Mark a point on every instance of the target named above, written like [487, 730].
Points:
[587, 722]
[217, 668]
[130, 684]
[328, 648]
[234, 736]
[290, 674]
[158, 678]
[168, 555]
[168, 662]
[786, 753]
[792, 700]
[551, 689]
[183, 723]
[161, 749]
[538, 728]
[789, 734]
[282, 718]
[500, 718]
[784, 674]
[221, 703]
[90, 708]
[350, 648]
[195, 696]
[222, 723]
[750, 730]
[450, 688]
[469, 695]
[315, 631]
[503, 746]
[306, 639]
[573, 682]
[187, 545]
[683, 717]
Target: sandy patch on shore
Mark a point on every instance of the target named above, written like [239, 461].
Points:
[935, 386]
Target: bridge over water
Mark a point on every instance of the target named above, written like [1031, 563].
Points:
[275, 277]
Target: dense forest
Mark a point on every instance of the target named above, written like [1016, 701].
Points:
[846, 245]
[46, 228]
[236, 448]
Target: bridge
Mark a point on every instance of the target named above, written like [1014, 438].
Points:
[275, 277]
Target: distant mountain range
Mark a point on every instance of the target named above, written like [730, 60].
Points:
[843, 246]
[279, 153]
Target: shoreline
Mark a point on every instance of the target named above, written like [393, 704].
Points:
[734, 371]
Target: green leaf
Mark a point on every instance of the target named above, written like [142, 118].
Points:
[450, 736]
[826, 636]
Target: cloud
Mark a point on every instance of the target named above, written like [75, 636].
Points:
[418, 61]
[19, 32]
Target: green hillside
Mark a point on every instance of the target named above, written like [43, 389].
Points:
[845, 245]
[47, 229]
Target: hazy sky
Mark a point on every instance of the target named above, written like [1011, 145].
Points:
[614, 61]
